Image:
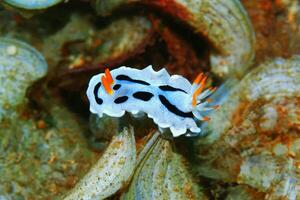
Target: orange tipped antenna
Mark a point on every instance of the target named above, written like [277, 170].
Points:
[108, 76]
[198, 91]
[198, 78]
[107, 81]
[106, 85]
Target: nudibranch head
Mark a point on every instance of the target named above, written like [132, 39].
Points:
[101, 91]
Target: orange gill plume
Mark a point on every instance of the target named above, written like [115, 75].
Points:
[107, 81]
[200, 79]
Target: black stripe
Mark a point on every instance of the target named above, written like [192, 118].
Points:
[127, 78]
[170, 88]
[117, 86]
[144, 96]
[121, 99]
[96, 89]
[173, 108]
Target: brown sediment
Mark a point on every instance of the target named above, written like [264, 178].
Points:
[41, 124]
[255, 194]
[112, 62]
[183, 59]
[273, 33]
[117, 144]
[171, 7]
[238, 115]
[188, 190]
[81, 73]
[283, 132]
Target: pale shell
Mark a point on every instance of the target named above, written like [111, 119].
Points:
[20, 66]
[162, 174]
[32, 4]
[111, 172]
[254, 138]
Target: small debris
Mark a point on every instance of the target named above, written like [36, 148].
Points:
[12, 50]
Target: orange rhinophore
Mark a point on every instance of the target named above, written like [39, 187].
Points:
[107, 81]
[199, 90]
[108, 76]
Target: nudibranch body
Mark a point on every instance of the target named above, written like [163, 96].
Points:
[171, 101]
